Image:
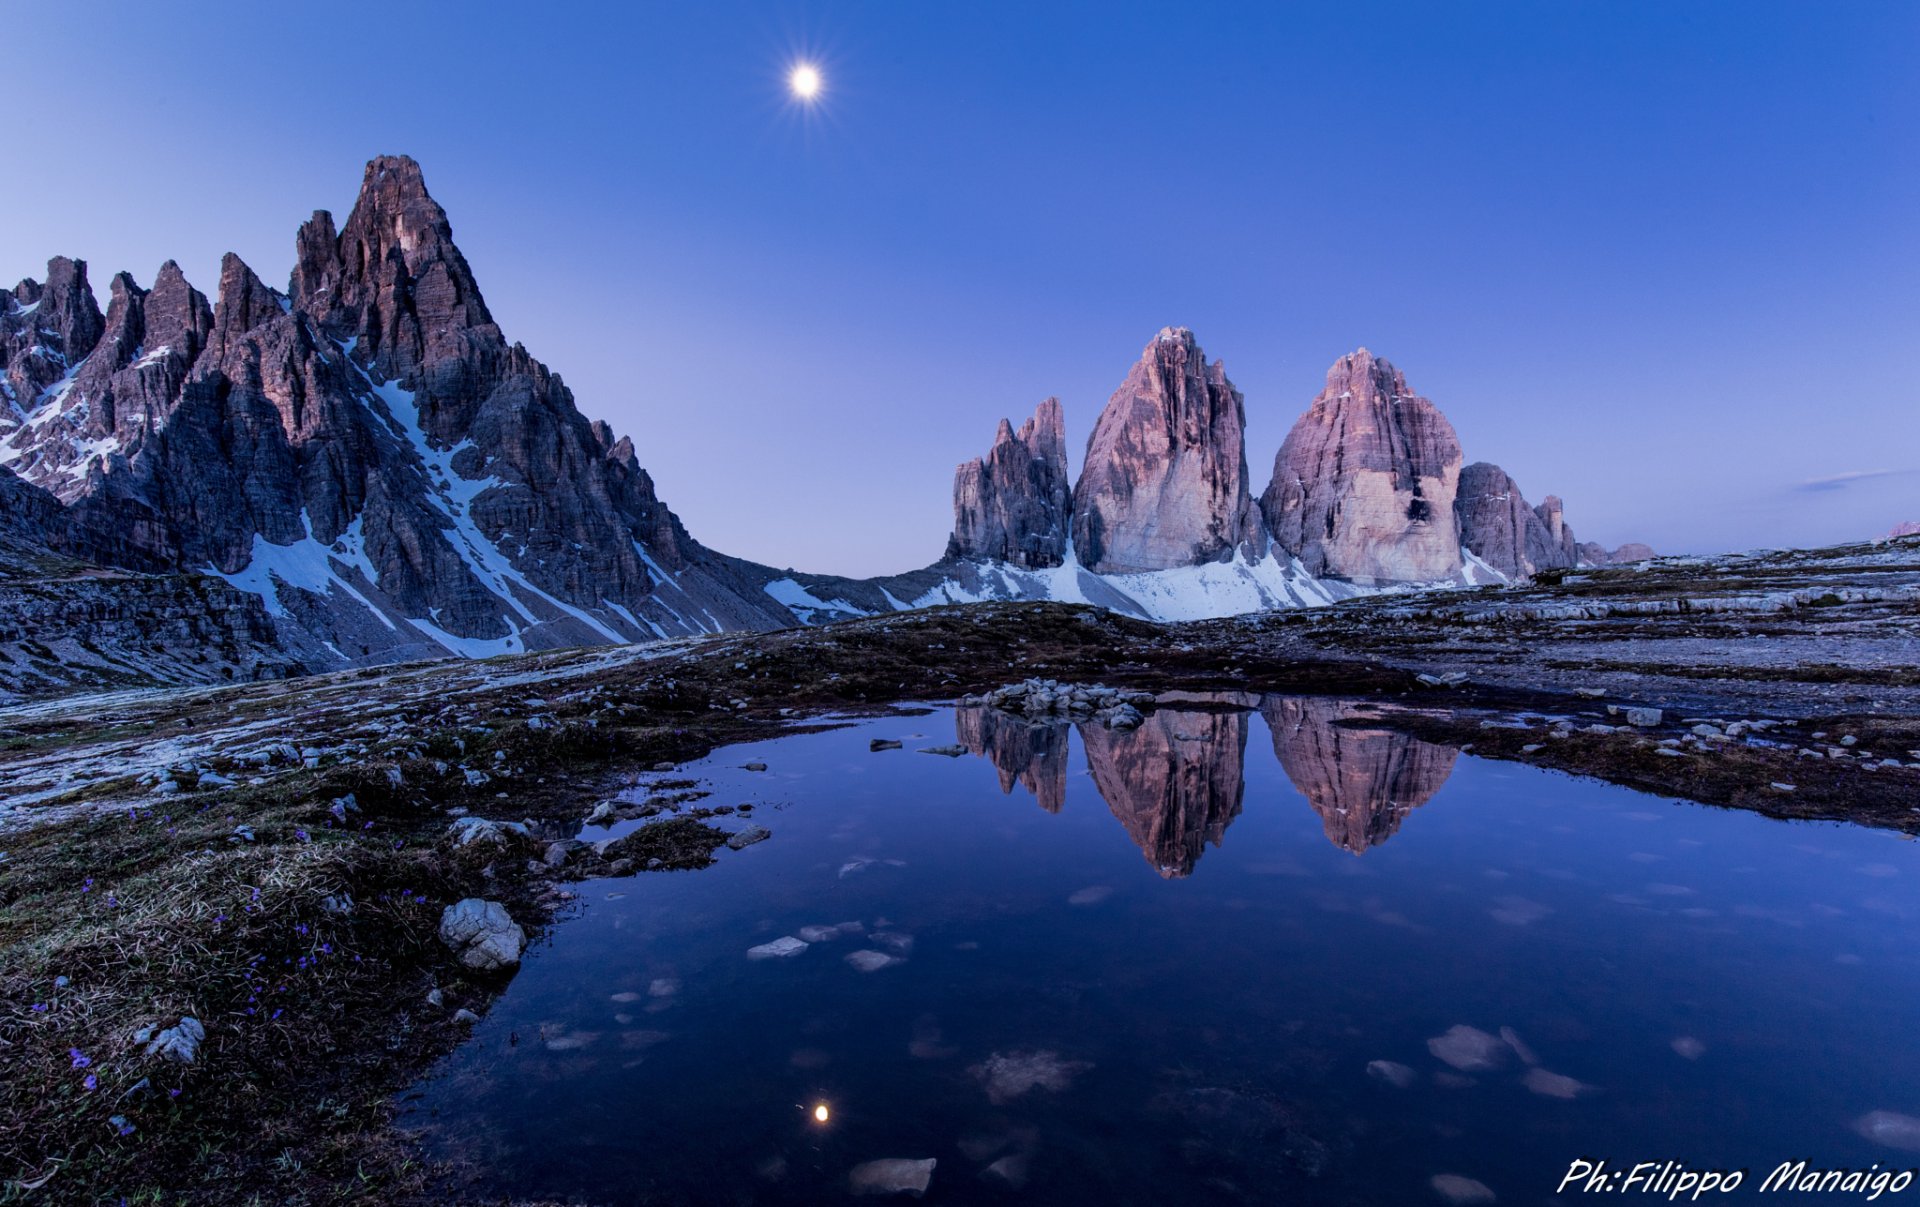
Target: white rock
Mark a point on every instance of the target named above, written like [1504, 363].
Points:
[1392, 1072]
[1891, 1129]
[483, 934]
[1553, 1085]
[1468, 1049]
[872, 961]
[1456, 1189]
[892, 1176]
[785, 947]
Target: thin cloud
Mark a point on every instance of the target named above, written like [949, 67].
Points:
[1842, 481]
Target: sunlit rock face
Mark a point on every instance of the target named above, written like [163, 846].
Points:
[1175, 783]
[1011, 505]
[1033, 756]
[1165, 480]
[1363, 488]
[1362, 782]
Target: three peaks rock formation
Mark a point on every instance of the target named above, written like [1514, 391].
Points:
[363, 469]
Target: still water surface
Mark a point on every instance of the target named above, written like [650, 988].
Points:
[1229, 957]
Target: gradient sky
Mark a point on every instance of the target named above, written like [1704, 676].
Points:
[1660, 258]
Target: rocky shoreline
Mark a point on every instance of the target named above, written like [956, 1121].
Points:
[285, 863]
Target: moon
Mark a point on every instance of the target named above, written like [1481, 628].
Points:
[804, 81]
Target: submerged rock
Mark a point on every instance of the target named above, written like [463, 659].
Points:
[1553, 1085]
[892, 1176]
[1009, 1172]
[1891, 1129]
[1689, 1047]
[782, 948]
[1392, 1072]
[1009, 1075]
[1456, 1189]
[747, 837]
[1469, 1049]
[872, 961]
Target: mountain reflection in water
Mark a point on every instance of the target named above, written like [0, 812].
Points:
[1178, 781]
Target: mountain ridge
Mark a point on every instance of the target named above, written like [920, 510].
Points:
[367, 455]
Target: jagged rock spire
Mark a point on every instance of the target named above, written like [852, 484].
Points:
[1363, 487]
[1165, 478]
[1011, 505]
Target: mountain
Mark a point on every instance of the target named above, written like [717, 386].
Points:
[368, 458]
[1498, 527]
[1012, 504]
[1164, 483]
[365, 452]
[1363, 486]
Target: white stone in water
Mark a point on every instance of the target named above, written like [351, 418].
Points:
[818, 934]
[1009, 1075]
[1456, 1189]
[1689, 1047]
[665, 986]
[1092, 895]
[1518, 1045]
[1468, 1049]
[627, 996]
[872, 961]
[1009, 1171]
[892, 1176]
[893, 941]
[781, 948]
[1392, 1072]
[1553, 1085]
[1891, 1129]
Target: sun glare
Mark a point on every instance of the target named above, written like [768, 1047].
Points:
[804, 80]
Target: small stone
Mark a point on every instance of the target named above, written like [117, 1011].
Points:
[1009, 1172]
[879, 744]
[747, 837]
[179, 1043]
[952, 752]
[465, 1017]
[1456, 1189]
[1553, 1085]
[1010, 1075]
[782, 948]
[1891, 1129]
[871, 961]
[1689, 1047]
[1468, 1049]
[436, 999]
[892, 1176]
[1392, 1072]
[753, 766]
[1645, 718]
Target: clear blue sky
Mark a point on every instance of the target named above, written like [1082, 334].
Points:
[1660, 258]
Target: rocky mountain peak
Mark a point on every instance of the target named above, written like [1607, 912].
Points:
[1011, 505]
[1165, 478]
[1363, 488]
[1498, 526]
[391, 280]
[48, 329]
